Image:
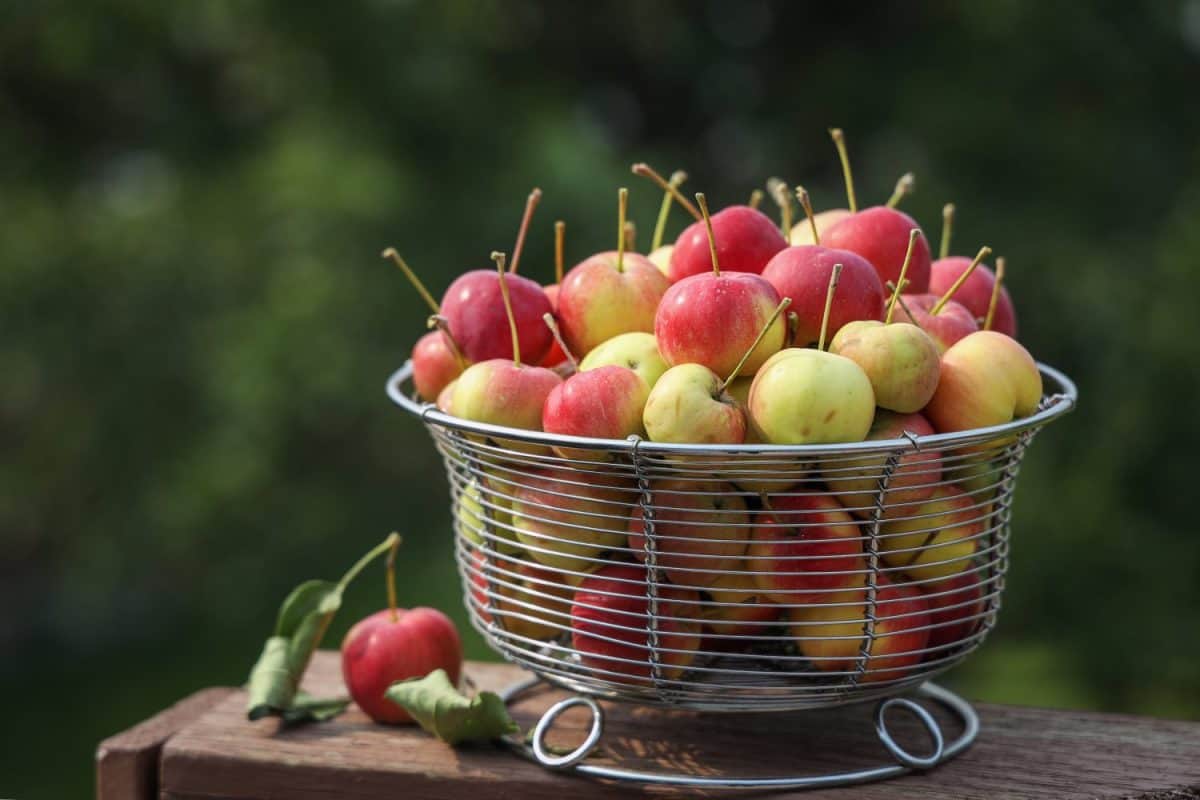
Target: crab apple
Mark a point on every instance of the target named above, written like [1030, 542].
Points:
[956, 607]
[803, 273]
[434, 365]
[987, 379]
[661, 258]
[393, 645]
[935, 538]
[610, 625]
[700, 530]
[880, 235]
[805, 548]
[605, 295]
[566, 518]
[855, 481]
[900, 360]
[802, 232]
[530, 601]
[638, 351]
[802, 396]
[738, 608]
[689, 404]
[474, 310]
[952, 322]
[555, 355]
[746, 239]
[976, 291]
[500, 392]
[445, 398]
[475, 506]
[602, 403]
[831, 634]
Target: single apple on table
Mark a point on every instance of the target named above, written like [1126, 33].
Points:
[531, 601]
[701, 529]
[936, 538]
[831, 634]
[637, 351]
[610, 625]
[805, 548]
[855, 480]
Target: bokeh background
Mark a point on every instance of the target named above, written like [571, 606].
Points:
[196, 324]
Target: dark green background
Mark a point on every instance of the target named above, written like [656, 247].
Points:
[196, 325]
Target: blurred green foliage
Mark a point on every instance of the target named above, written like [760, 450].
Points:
[196, 325]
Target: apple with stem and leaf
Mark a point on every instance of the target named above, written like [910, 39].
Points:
[609, 293]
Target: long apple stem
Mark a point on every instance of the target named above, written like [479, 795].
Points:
[904, 305]
[530, 204]
[443, 325]
[552, 324]
[393, 540]
[412, 278]
[839, 141]
[712, 240]
[947, 229]
[630, 236]
[560, 235]
[645, 171]
[782, 196]
[895, 298]
[983, 253]
[391, 576]
[806, 204]
[904, 187]
[991, 312]
[756, 198]
[833, 282]
[779, 309]
[622, 210]
[660, 225]
[901, 281]
[508, 309]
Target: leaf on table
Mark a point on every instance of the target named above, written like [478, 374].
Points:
[448, 714]
[306, 708]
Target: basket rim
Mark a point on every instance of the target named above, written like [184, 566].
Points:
[1053, 405]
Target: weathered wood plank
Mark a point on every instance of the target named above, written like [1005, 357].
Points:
[1022, 752]
[127, 764]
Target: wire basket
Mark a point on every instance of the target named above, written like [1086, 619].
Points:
[734, 578]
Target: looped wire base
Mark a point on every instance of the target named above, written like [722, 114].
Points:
[537, 749]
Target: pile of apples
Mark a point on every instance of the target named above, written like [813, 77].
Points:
[841, 328]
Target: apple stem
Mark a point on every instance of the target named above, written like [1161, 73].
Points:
[806, 204]
[660, 225]
[904, 305]
[991, 312]
[508, 309]
[833, 282]
[622, 210]
[756, 198]
[530, 204]
[712, 240]
[443, 325]
[904, 187]
[839, 141]
[412, 278]
[391, 577]
[947, 229]
[983, 253]
[901, 281]
[782, 196]
[779, 309]
[645, 171]
[392, 541]
[630, 236]
[552, 324]
[560, 235]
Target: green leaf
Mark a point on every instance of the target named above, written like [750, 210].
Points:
[448, 714]
[306, 708]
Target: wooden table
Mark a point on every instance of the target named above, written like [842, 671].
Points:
[204, 748]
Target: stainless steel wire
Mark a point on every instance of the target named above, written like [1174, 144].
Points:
[733, 578]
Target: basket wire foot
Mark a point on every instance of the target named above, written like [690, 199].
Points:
[537, 750]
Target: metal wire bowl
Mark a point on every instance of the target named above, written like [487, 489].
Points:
[899, 591]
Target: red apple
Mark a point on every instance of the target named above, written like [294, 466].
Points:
[856, 480]
[746, 240]
[434, 365]
[805, 548]
[975, 293]
[603, 297]
[500, 392]
[391, 646]
[831, 634]
[946, 327]
[610, 622]
[956, 607]
[802, 273]
[881, 235]
[602, 403]
[701, 530]
[474, 310]
[712, 319]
